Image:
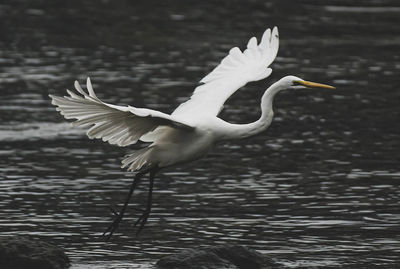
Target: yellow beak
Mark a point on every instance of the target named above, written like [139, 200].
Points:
[310, 84]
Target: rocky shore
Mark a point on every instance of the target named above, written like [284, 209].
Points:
[19, 252]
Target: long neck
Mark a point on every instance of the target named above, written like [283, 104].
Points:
[235, 131]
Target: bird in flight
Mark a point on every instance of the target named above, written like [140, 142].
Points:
[194, 126]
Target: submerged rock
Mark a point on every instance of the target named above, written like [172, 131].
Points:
[23, 253]
[219, 257]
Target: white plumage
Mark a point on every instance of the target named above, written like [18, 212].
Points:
[125, 125]
[118, 125]
[193, 128]
[234, 71]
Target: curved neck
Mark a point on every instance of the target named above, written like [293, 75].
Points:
[235, 131]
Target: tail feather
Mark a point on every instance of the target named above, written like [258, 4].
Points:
[138, 160]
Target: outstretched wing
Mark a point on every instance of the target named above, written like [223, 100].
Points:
[121, 125]
[234, 71]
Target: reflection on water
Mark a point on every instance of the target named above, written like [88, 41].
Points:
[319, 188]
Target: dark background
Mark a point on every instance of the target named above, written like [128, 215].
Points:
[319, 188]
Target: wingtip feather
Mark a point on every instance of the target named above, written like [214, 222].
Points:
[275, 29]
[252, 43]
[52, 97]
[79, 88]
[255, 56]
[90, 88]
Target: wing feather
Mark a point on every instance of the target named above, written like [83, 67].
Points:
[120, 125]
[234, 71]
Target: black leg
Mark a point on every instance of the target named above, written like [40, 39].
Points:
[145, 215]
[118, 216]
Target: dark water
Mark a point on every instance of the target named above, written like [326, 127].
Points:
[320, 188]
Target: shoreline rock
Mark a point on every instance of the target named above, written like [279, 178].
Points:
[17, 252]
[218, 257]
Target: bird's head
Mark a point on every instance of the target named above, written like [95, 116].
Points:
[292, 82]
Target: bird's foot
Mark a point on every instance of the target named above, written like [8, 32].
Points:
[118, 218]
[113, 226]
[113, 211]
[142, 220]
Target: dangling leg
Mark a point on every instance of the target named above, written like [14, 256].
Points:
[118, 216]
[146, 213]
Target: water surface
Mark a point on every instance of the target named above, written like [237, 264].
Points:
[319, 188]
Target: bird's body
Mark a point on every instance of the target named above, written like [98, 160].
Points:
[176, 146]
[193, 128]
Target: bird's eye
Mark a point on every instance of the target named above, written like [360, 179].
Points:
[296, 83]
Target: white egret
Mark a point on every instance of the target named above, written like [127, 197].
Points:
[193, 128]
